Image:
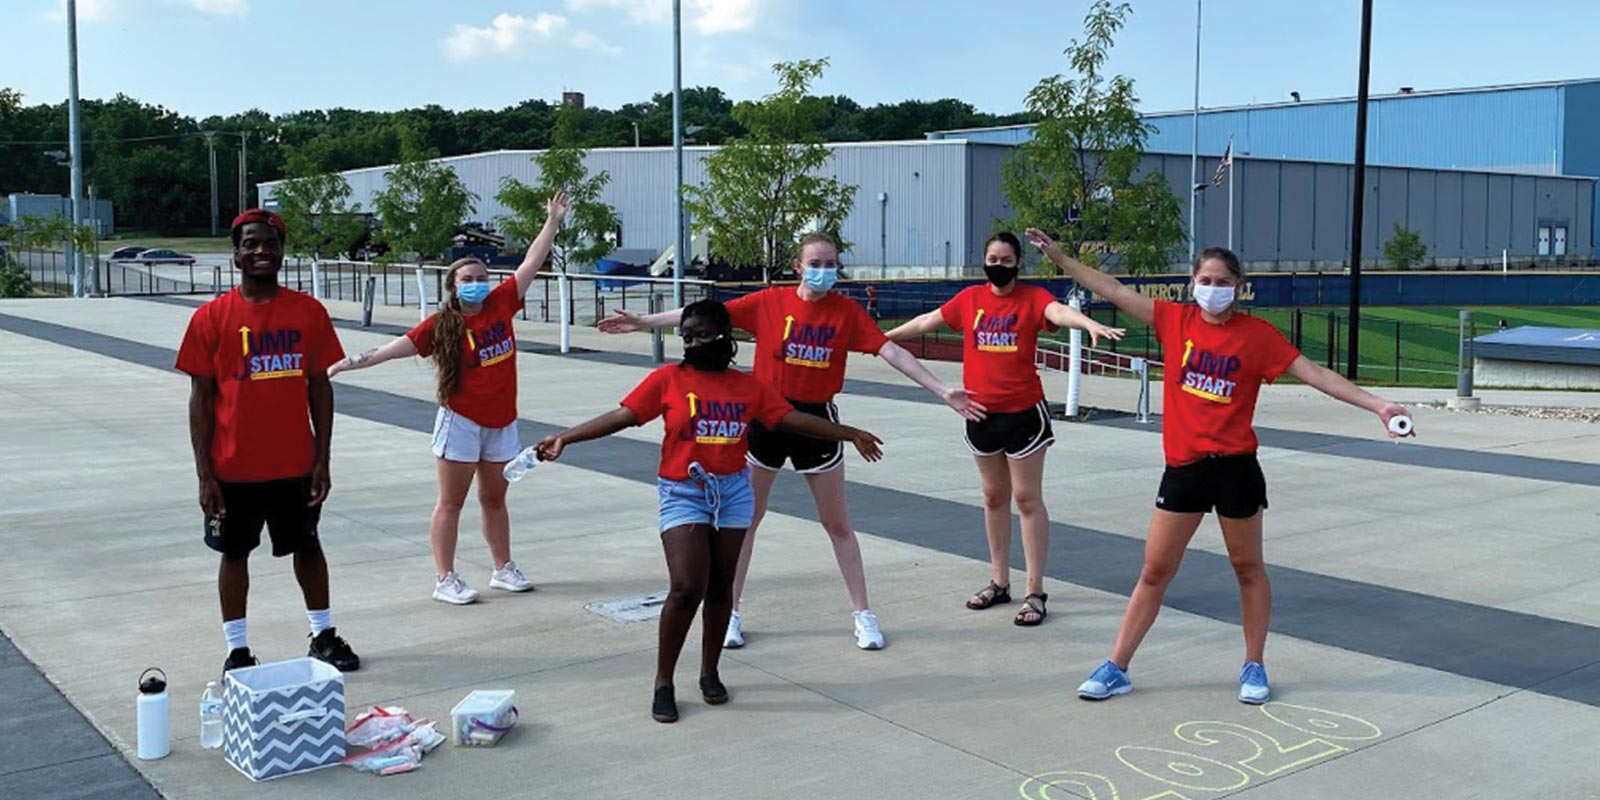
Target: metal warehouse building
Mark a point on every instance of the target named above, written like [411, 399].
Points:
[1478, 172]
[1499, 133]
[922, 207]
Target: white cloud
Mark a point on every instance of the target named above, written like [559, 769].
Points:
[512, 34]
[708, 17]
[585, 40]
[723, 16]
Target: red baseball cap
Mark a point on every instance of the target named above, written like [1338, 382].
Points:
[264, 217]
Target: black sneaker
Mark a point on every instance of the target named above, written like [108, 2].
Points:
[665, 707]
[328, 647]
[237, 658]
[712, 690]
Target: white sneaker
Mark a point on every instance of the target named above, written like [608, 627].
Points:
[735, 637]
[451, 589]
[868, 637]
[510, 579]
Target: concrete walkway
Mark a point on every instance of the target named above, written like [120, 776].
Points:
[1437, 618]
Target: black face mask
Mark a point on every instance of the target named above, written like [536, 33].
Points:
[712, 356]
[1001, 277]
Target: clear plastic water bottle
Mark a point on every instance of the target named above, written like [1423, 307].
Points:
[211, 717]
[523, 464]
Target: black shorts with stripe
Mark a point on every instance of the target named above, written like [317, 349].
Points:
[1233, 485]
[769, 449]
[1018, 434]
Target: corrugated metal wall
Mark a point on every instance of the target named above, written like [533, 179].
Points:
[1520, 129]
[922, 221]
[50, 206]
[1298, 213]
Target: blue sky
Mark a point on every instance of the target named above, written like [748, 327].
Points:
[190, 55]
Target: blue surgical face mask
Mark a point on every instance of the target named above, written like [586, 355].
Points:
[820, 279]
[1214, 299]
[473, 293]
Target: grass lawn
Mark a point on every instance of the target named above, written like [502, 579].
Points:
[1427, 336]
[183, 244]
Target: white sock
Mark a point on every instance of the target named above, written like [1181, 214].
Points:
[320, 620]
[234, 631]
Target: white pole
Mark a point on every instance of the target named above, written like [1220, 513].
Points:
[681, 244]
[1074, 359]
[422, 294]
[75, 144]
[566, 311]
[1194, 142]
[316, 278]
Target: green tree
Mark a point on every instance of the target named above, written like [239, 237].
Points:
[587, 237]
[761, 192]
[1404, 249]
[320, 218]
[1078, 175]
[420, 207]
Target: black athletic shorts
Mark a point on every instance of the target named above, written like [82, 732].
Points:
[769, 448]
[1018, 434]
[278, 505]
[1233, 485]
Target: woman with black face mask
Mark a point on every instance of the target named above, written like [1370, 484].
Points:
[706, 501]
[1000, 324]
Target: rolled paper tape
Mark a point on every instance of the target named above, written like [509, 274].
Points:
[1400, 426]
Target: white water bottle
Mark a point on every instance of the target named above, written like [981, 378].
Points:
[155, 737]
[211, 717]
[523, 464]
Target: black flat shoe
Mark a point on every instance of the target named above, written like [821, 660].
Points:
[665, 706]
[712, 690]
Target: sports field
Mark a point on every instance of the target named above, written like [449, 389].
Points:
[1428, 337]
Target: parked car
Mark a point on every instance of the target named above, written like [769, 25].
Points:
[123, 253]
[163, 256]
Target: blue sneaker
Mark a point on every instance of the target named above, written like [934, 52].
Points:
[1108, 680]
[1253, 688]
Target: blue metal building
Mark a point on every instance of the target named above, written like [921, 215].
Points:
[1550, 128]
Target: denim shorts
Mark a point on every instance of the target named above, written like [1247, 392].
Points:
[721, 501]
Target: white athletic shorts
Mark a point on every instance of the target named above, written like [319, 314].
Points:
[456, 438]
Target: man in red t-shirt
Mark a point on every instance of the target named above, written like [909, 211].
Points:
[257, 357]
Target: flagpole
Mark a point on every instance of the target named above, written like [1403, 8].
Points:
[1232, 165]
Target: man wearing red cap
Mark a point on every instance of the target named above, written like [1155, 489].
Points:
[256, 357]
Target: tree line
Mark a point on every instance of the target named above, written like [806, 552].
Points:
[152, 161]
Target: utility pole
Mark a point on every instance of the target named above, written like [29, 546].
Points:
[1357, 213]
[211, 146]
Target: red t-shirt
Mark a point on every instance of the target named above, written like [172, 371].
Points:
[260, 355]
[1212, 377]
[706, 415]
[801, 346]
[1000, 334]
[488, 393]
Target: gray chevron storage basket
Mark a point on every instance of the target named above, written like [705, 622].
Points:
[283, 718]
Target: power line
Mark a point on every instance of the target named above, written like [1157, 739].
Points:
[158, 137]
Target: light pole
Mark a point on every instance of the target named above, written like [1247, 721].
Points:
[682, 243]
[635, 133]
[1358, 210]
[75, 135]
[1194, 140]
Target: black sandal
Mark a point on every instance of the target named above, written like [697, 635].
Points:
[1028, 607]
[997, 594]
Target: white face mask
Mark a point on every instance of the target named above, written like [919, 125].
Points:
[1214, 299]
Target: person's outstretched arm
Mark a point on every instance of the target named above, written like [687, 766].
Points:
[549, 449]
[818, 428]
[955, 397]
[533, 262]
[1339, 387]
[1120, 294]
[399, 347]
